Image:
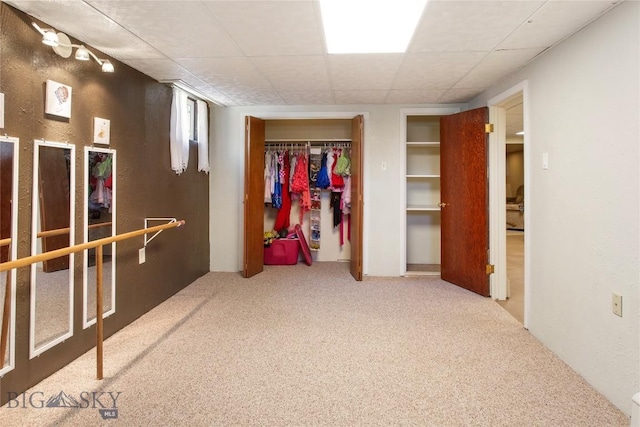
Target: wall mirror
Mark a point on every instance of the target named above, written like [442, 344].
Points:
[52, 228]
[99, 222]
[8, 251]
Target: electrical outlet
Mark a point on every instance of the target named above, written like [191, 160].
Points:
[616, 304]
[141, 256]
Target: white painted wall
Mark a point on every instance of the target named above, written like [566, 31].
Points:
[584, 210]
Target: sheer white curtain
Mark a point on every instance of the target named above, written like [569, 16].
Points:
[179, 132]
[203, 137]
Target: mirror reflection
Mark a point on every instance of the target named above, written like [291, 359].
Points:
[8, 227]
[99, 222]
[52, 228]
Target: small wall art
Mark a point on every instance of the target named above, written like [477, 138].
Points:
[58, 99]
[101, 130]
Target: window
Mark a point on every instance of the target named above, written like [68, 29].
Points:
[192, 113]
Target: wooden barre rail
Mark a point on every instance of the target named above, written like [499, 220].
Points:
[56, 232]
[46, 256]
[23, 262]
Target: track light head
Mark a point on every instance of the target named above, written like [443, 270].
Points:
[107, 66]
[82, 54]
[50, 38]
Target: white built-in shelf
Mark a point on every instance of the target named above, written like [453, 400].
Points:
[423, 208]
[418, 176]
[423, 143]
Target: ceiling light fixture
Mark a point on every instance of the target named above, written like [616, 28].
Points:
[364, 26]
[50, 38]
[82, 54]
[63, 47]
[520, 133]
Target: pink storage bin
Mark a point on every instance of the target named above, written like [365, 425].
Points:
[282, 252]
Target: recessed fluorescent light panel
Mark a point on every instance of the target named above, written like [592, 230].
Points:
[365, 26]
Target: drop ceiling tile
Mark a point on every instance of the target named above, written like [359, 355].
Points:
[436, 70]
[359, 72]
[555, 21]
[308, 97]
[348, 97]
[159, 69]
[271, 28]
[454, 96]
[414, 96]
[463, 26]
[497, 65]
[256, 97]
[294, 73]
[227, 74]
[184, 29]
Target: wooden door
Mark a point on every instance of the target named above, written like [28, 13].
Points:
[253, 262]
[464, 200]
[356, 196]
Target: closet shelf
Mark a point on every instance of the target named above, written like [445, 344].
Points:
[422, 208]
[423, 143]
[420, 176]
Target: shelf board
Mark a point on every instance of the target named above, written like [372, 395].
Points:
[423, 208]
[414, 176]
[423, 143]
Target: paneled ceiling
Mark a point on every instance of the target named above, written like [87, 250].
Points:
[267, 52]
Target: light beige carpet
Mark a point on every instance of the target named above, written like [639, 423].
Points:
[515, 273]
[299, 345]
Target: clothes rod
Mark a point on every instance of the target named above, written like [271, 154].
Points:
[307, 141]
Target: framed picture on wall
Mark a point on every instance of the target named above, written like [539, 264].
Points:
[58, 99]
[101, 130]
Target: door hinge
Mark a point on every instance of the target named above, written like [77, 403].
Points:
[488, 127]
[490, 269]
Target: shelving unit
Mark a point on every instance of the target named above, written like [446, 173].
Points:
[421, 131]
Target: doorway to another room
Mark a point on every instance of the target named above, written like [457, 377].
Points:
[515, 206]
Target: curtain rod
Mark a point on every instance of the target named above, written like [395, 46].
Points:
[179, 84]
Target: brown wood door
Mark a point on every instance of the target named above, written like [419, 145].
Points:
[253, 262]
[357, 129]
[464, 195]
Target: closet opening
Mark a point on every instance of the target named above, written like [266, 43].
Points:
[303, 172]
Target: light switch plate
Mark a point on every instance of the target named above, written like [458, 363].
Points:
[616, 304]
[141, 256]
[545, 160]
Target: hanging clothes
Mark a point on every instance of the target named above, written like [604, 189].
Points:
[323, 178]
[343, 165]
[276, 196]
[336, 180]
[267, 177]
[301, 184]
[330, 164]
[335, 206]
[283, 216]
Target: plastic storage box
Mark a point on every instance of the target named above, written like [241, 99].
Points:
[282, 252]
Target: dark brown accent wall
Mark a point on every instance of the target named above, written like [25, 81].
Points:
[139, 110]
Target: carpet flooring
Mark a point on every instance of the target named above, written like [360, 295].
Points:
[299, 345]
[514, 304]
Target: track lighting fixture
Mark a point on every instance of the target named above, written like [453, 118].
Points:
[61, 45]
